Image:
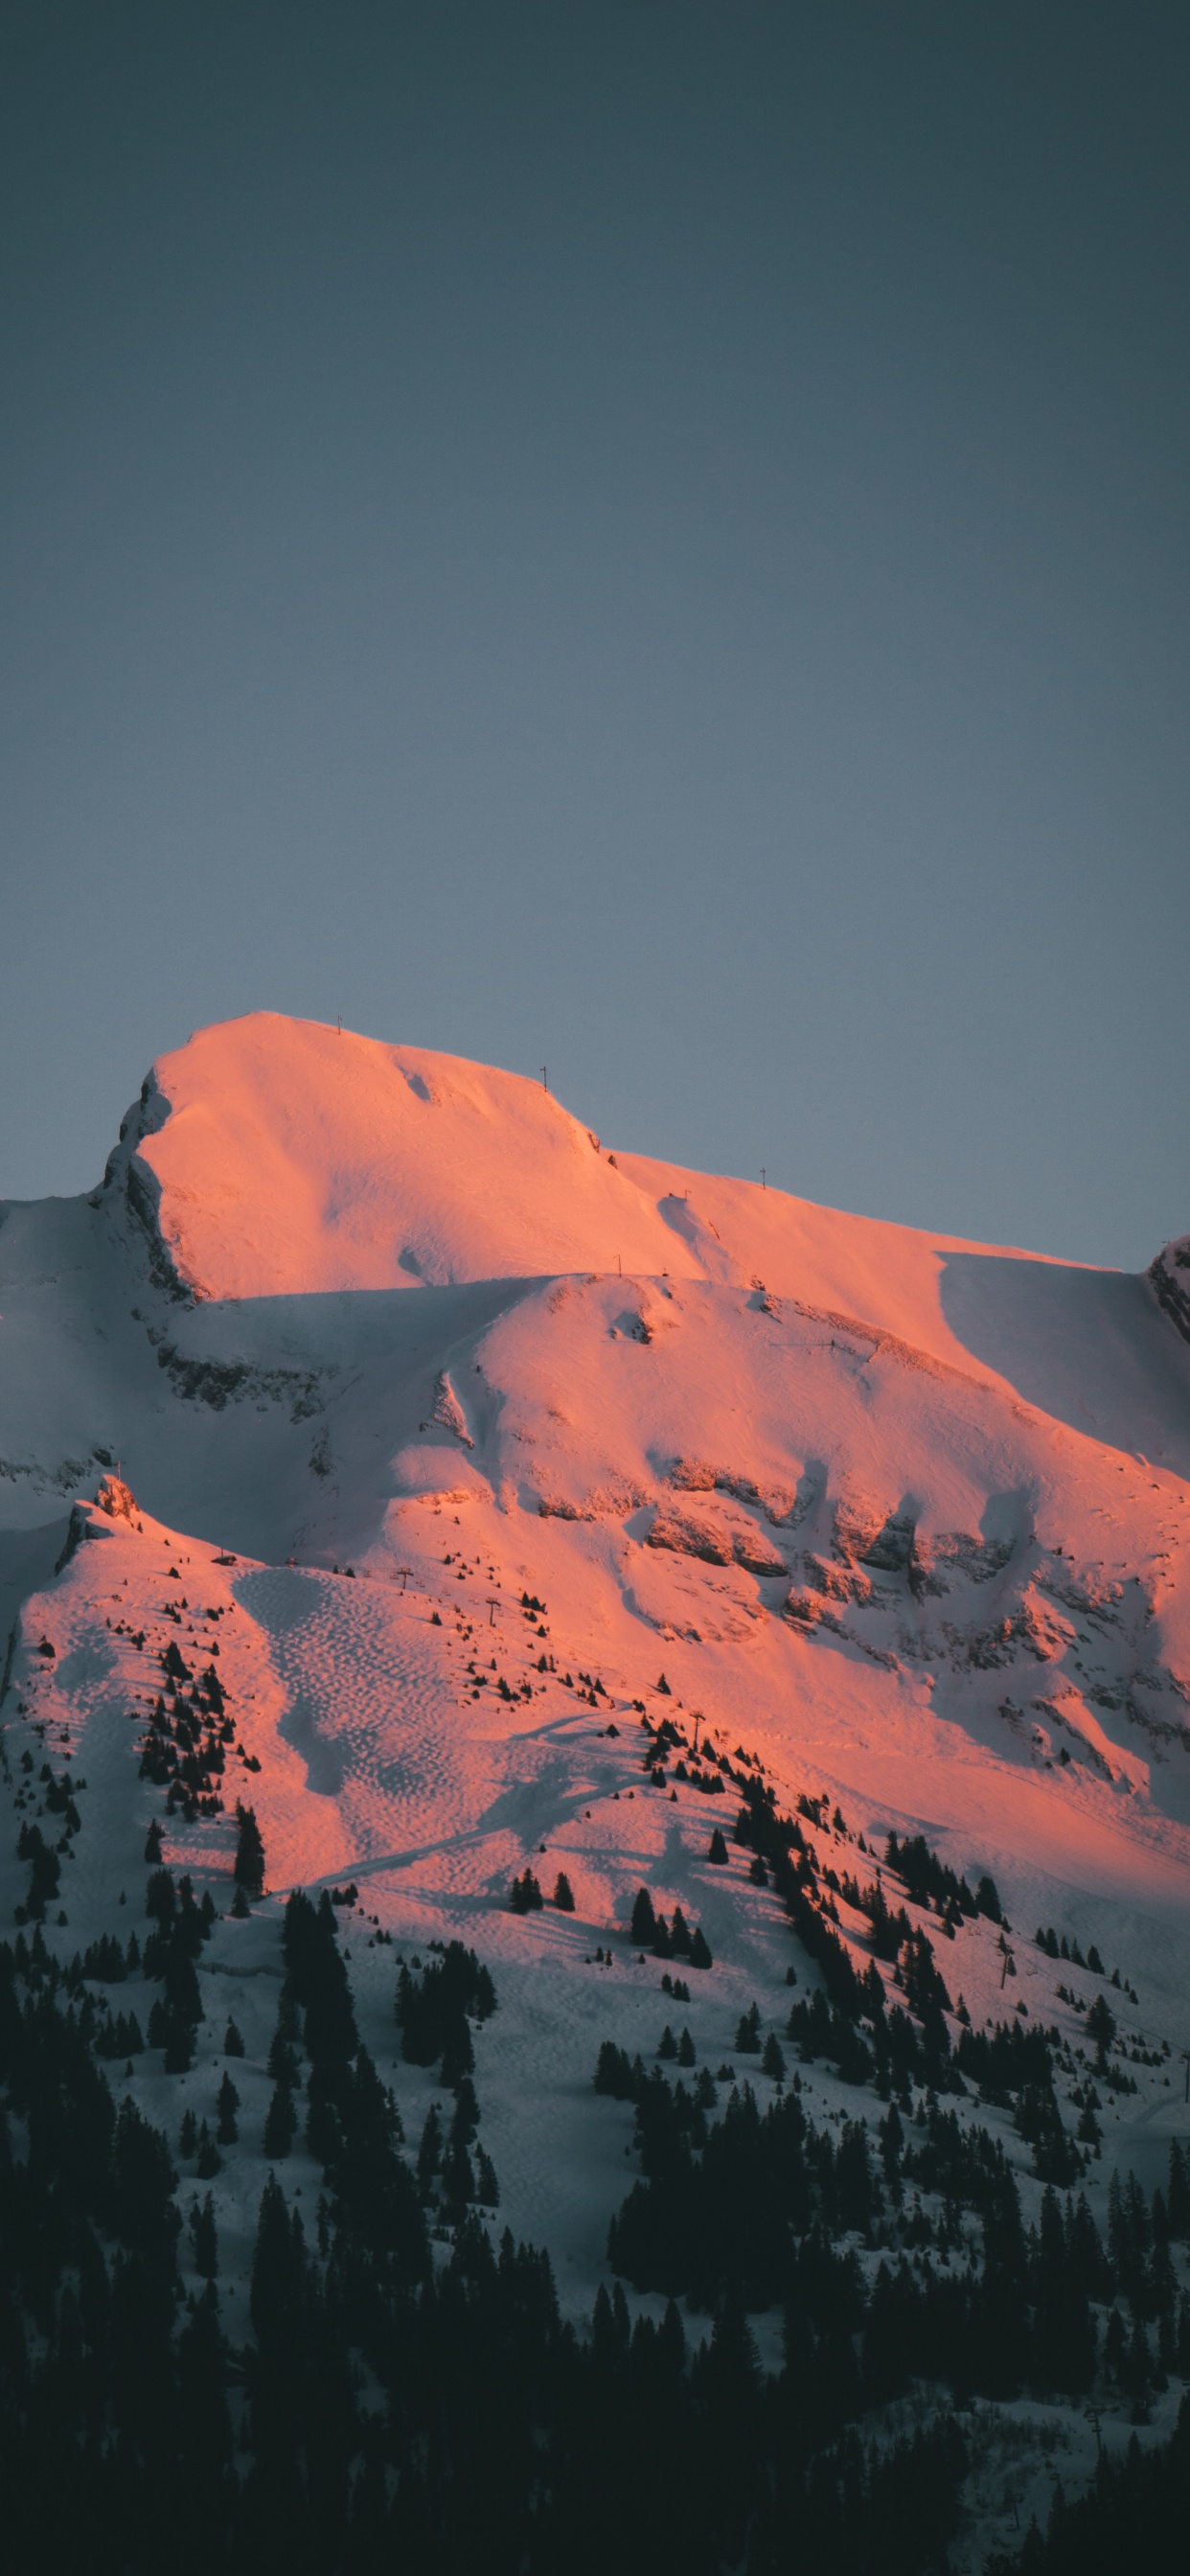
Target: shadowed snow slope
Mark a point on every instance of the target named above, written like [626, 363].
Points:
[907, 1518]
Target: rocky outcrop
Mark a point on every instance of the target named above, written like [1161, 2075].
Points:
[1169, 1275]
[714, 1540]
[126, 1176]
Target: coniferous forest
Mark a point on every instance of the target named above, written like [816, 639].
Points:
[408, 2392]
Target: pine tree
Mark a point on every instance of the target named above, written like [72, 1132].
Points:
[458, 2055]
[204, 2420]
[466, 2114]
[210, 2162]
[280, 2124]
[188, 2134]
[1101, 2027]
[153, 1844]
[773, 2058]
[279, 2274]
[281, 2062]
[161, 1898]
[249, 1860]
[644, 1921]
[700, 1950]
[667, 2045]
[458, 2181]
[317, 1980]
[487, 2189]
[717, 1854]
[324, 2134]
[227, 2103]
[429, 2153]
[1137, 2372]
[686, 2052]
[1178, 2194]
[563, 1894]
[233, 2045]
[178, 2040]
[204, 2239]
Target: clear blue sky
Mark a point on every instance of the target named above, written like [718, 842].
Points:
[648, 538]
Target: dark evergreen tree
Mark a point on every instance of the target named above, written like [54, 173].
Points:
[278, 2295]
[747, 2038]
[1178, 2194]
[249, 1859]
[458, 2055]
[429, 2153]
[458, 2180]
[280, 2126]
[204, 2238]
[227, 2103]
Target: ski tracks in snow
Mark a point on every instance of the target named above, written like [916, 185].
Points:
[369, 1709]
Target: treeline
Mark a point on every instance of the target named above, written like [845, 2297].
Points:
[374, 2407]
[853, 2023]
[751, 2206]
[1135, 2513]
[403, 2390]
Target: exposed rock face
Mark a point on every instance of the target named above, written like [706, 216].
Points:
[1170, 1275]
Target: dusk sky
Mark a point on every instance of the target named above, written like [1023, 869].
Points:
[645, 539]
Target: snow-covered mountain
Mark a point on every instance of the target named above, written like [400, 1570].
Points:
[463, 1448]
[913, 1511]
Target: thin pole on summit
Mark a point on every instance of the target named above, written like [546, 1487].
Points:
[544, 1083]
[763, 1181]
